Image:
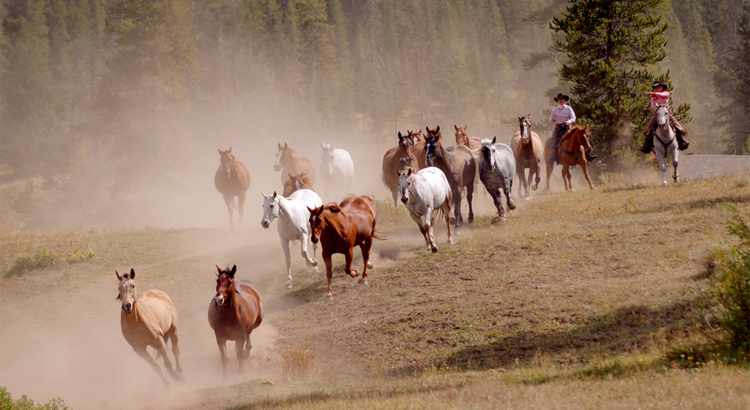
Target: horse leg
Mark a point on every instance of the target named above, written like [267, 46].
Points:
[248, 345]
[239, 352]
[141, 351]
[548, 168]
[537, 172]
[305, 254]
[394, 194]
[469, 199]
[457, 209]
[447, 214]
[348, 256]
[660, 157]
[288, 260]
[229, 200]
[564, 173]
[222, 343]
[497, 199]
[161, 346]
[241, 205]
[429, 230]
[176, 349]
[524, 182]
[507, 188]
[329, 271]
[675, 155]
[585, 168]
[365, 248]
[421, 225]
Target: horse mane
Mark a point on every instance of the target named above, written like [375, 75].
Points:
[479, 153]
[302, 177]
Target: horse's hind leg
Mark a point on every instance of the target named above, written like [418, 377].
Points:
[175, 349]
[288, 260]
[161, 346]
[447, 214]
[394, 194]
[548, 168]
[457, 210]
[507, 188]
[305, 254]
[229, 201]
[348, 256]
[241, 205]
[429, 232]
[469, 199]
[422, 228]
[141, 351]
[365, 248]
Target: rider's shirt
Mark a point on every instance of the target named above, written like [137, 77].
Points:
[661, 98]
[562, 113]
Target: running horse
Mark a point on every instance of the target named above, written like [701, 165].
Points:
[295, 183]
[235, 311]
[457, 163]
[291, 165]
[665, 142]
[575, 144]
[419, 149]
[340, 228]
[398, 159]
[527, 151]
[147, 319]
[462, 138]
[232, 179]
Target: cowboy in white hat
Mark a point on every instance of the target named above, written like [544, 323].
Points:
[660, 96]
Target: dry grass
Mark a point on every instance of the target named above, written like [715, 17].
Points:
[297, 362]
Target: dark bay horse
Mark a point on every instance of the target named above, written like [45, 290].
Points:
[295, 183]
[233, 314]
[398, 159]
[232, 179]
[340, 228]
[527, 150]
[291, 165]
[572, 152]
[462, 138]
[457, 163]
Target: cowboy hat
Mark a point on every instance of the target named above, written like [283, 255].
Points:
[660, 84]
[563, 96]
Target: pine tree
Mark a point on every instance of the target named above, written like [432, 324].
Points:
[733, 86]
[610, 47]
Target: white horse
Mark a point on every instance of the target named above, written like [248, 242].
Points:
[426, 193]
[294, 223]
[337, 169]
[665, 142]
[497, 168]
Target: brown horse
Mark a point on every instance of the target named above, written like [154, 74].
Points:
[149, 319]
[572, 152]
[457, 163]
[419, 149]
[527, 150]
[342, 227]
[297, 182]
[233, 314]
[232, 179]
[398, 159]
[462, 138]
[292, 165]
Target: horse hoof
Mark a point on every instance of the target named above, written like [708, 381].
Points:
[288, 285]
[534, 188]
[512, 206]
[664, 183]
[329, 297]
[314, 263]
[363, 282]
[354, 273]
[434, 250]
[528, 199]
[499, 219]
[369, 265]
[450, 241]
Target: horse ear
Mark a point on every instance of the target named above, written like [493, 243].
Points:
[234, 270]
[322, 145]
[495, 139]
[408, 173]
[455, 126]
[119, 277]
[265, 196]
[274, 195]
[229, 150]
[132, 273]
[219, 149]
[399, 135]
[334, 209]
[279, 146]
[519, 117]
[528, 116]
[466, 126]
[437, 129]
[290, 176]
[218, 269]
[586, 128]
[286, 146]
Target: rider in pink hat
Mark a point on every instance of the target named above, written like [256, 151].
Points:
[660, 96]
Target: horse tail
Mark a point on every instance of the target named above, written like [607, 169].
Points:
[377, 235]
[385, 182]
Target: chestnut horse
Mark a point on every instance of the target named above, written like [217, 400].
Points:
[291, 165]
[419, 149]
[527, 150]
[233, 314]
[462, 138]
[295, 183]
[147, 319]
[574, 144]
[398, 159]
[457, 163]
[342, 227]
[232, 179]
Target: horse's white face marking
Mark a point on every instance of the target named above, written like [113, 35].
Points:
[127, 294]
[403, 186]
[277, 165]
[661, 115]
[270, 211]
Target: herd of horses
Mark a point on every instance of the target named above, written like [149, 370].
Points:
[427, 176]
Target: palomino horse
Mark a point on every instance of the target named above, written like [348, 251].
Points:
[398, 159]
[427, 193]
[233, 314]
[497, 168]
[147, 319]
[572, 152]
[232, 179]
[297, 182]
[337, 169]
[462, 138]
[527, 150]
[457, 163]
[665, 142]
[342, 227]
[291, 165]
[294, 223]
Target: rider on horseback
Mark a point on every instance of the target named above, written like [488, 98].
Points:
[661, 97]
[564, 116]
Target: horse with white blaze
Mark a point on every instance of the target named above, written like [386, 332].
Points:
[337, 169]
[426, 193]
[497, 168]
[294, 223]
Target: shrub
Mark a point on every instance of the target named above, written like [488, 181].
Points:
[79, 256]
[24, 403]
[389, 215]
[728, 297]
[297, 362]
[42, 258]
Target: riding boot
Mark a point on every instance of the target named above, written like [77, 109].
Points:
[648, 143]
[683, 145]
[590, 156]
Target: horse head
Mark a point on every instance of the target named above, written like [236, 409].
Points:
[270, 209]
[432, 147]
[662, 115]
[487, 151]
[224, 285]
[328, 156]
[404, 184]
[406, 149]
[282, 156]
[461, 137]
[227, 162]
[525, 127]
[317, 222]
[579, 136]
[127, 290]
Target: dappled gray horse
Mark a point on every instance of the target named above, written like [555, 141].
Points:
[497, 168]
[665, 142]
